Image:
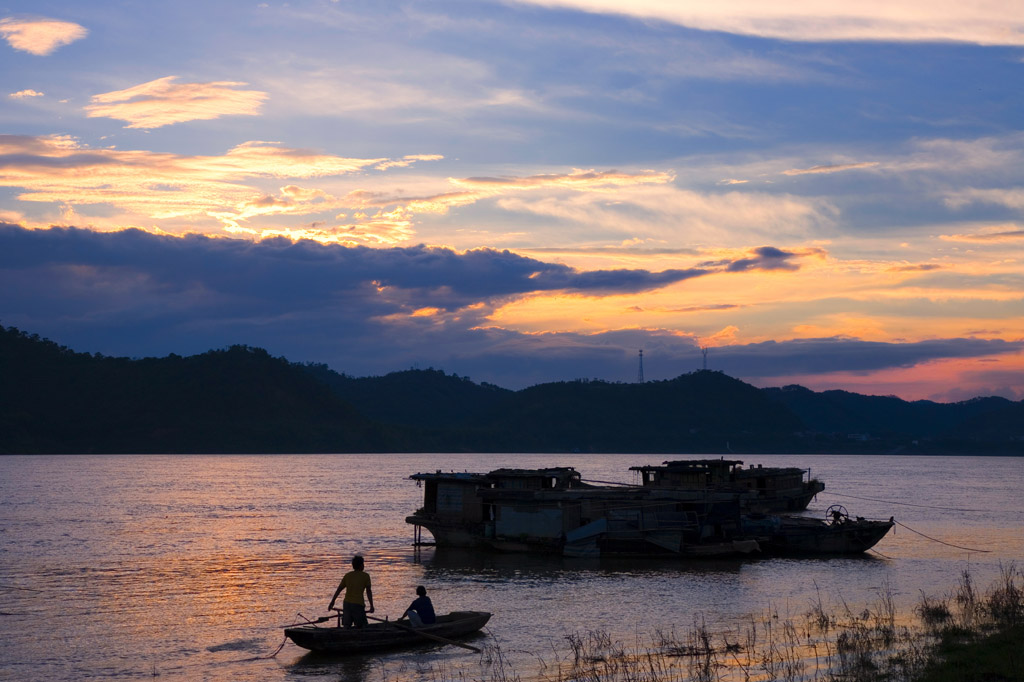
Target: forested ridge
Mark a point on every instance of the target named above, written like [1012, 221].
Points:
[243, 400]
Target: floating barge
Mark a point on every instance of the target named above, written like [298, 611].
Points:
[553, 511]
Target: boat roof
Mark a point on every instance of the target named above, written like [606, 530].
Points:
[462, 476]
[556, 472]
[691, 464]
[734, 466]
[466, 476]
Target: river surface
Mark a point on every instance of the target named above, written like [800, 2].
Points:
[186, 567]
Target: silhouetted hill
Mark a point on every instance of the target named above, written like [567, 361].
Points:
[845, 412]
[698, 412]
[236, 400]
[994, 426]
[54, 400]
[422, 398]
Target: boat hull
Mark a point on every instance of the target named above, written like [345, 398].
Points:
[810, 536]
[384, 636]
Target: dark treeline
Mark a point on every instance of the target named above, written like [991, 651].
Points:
[242, 400]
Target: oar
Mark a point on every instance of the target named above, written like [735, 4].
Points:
[321, 619]
[425, 634]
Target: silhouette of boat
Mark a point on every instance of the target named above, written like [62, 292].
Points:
[761, 489]
[386, 635]
[836, 534]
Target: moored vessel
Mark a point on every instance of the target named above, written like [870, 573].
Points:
[836, 534]
[761, 489]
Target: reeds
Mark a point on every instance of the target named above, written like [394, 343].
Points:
[872, 644]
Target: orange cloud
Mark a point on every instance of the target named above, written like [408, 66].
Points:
[40, 36]
[722, 338]
[165, 186]
[162, 185]
[22, 94]
[163, 102]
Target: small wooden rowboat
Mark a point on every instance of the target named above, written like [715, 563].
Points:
[385, 635]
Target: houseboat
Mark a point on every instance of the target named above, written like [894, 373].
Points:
[760, 489]
[553, 511]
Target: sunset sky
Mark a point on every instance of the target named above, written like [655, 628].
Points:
[522, 191]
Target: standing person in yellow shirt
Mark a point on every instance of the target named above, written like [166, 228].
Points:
[355, 582]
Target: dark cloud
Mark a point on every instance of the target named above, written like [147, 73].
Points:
[825, 355]
[920, 267]
[136, 294]
[280, 269]
[615, 280]
[762, 258]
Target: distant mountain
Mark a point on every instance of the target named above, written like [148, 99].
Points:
[54, 400]
[845, 412]
[995, 426]
[236, 400]
[698, 412]
[421, 398]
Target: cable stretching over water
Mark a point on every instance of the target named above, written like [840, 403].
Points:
[949, 544]
[907, 504]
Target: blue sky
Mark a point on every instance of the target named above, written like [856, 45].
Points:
[525, 191]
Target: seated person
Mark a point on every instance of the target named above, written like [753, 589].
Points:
[421, 611]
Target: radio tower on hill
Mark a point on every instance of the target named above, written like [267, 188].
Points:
[640, 371]
[704, 352]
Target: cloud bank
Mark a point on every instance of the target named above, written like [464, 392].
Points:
[370, 311]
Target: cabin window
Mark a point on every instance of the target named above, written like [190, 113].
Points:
[449, 498]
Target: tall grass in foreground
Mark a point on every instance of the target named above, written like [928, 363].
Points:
[875, 644]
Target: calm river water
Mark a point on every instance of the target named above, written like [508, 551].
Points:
[186, 567]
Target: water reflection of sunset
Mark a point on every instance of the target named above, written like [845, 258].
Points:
[186, 564]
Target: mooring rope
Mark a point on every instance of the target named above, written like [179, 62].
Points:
[949, 544]
[283, 642]
[906, 504]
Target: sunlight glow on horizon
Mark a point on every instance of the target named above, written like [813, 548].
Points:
[518, 177]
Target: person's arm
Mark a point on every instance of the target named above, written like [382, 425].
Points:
[341, 585]
[369, 597]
